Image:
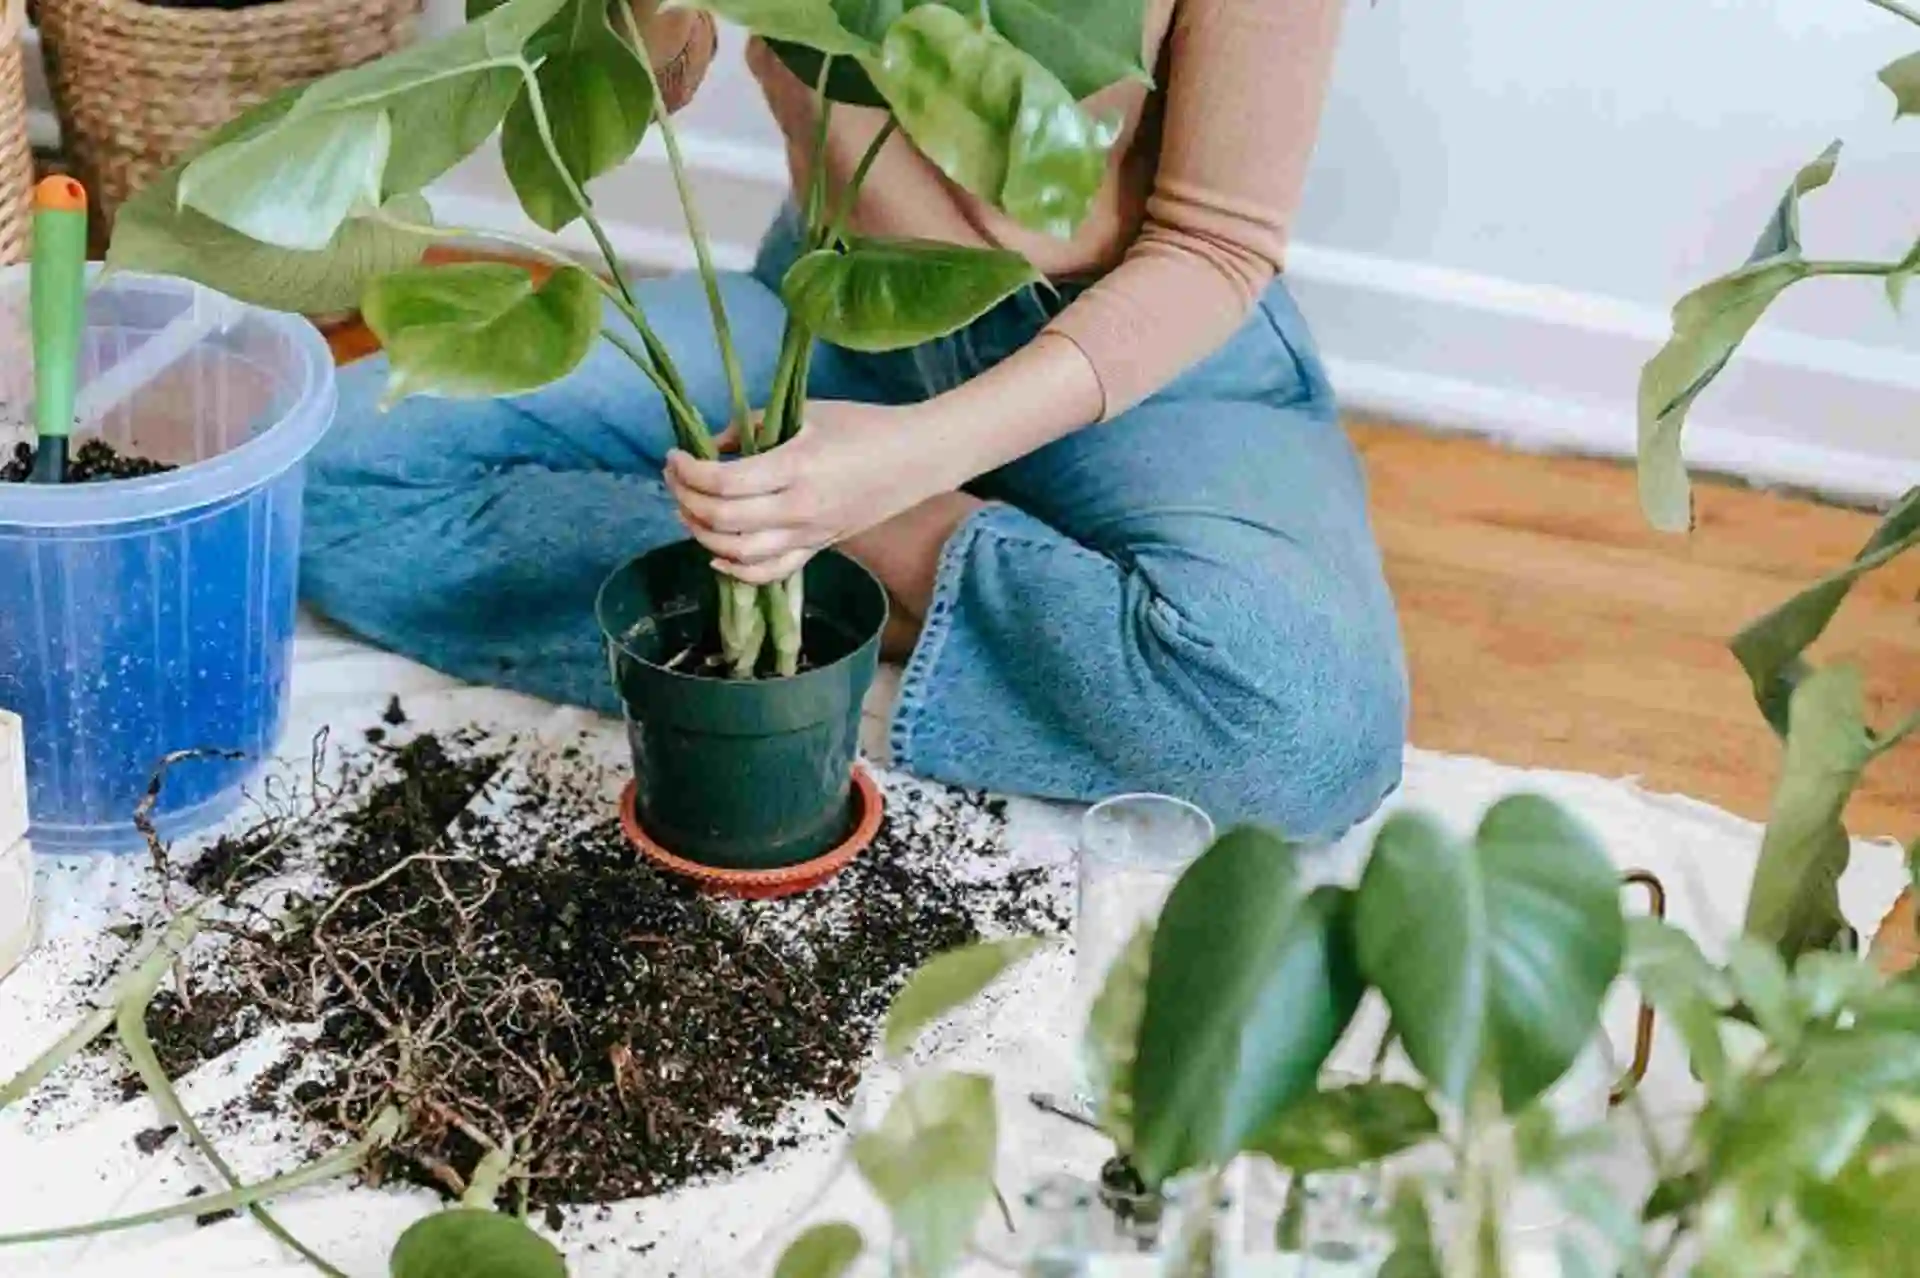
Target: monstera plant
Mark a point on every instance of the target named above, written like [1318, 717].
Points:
[1821, 713]
[315, 202]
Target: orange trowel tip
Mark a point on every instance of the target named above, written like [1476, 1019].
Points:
[60, 193]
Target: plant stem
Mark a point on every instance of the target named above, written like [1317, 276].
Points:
[838, 227]
[687, 426]
[1898, 9]
[337, 1164]
[97, 1022]
[696, 230]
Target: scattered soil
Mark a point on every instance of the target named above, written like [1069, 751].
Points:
[477, 942]
[94, 461]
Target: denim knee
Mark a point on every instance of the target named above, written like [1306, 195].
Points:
[1309, 689]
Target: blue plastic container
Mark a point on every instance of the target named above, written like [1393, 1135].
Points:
[143, 617]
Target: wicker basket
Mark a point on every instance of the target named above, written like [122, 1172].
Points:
[16, 155]
[137, 84]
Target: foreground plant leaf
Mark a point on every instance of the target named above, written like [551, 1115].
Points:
[1348, 1127]
[598, 102]
[1902, 78]
[1414, 1254]
[1251, 984]
[481, 329]
[885, 295]
[294, 185]
[1671, 973]
[1770, 649]
[1111, 1046]
[1708, 325]
[443, 98]
[992, 119]
[947, 981]
[467, 1242]
[931, 1163]
[1795, 904]
[1494, 954]
[825, 1251]
[811, 23]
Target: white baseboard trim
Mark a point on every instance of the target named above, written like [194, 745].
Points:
[1539, 368]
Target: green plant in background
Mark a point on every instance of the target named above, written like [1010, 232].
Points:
[313, 201]
[1821, 713]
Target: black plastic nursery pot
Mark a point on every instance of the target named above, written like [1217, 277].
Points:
[741, 774]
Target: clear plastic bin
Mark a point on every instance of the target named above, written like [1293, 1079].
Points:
[143, 617]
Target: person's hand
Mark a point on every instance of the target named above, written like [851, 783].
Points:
[850, 467]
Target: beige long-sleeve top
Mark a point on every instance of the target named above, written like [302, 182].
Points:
[1201, 190]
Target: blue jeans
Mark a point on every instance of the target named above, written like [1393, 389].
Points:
[1185, 599]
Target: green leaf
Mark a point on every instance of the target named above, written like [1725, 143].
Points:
[886, 295]
[931, 1163]
[1088, 45]
[1348, 1127]
[1769, 649]
[1251, 983]
[847, 79]
[1674, 1195]
[598, 100]
[1493, 955]
[1667, 966]
[1826, 985]
[948, 980]
[1795, 903]
[1866, 1224]
[481, 329]
[294, 185]
[1708, 325]
[992, 119]
[1902, 78]
[1112, 1043]
[441, 100]
[811, 23]
[1414, 1254]
[1761, 983]
[1903, 271]
[468, 1242]
[825, 1251]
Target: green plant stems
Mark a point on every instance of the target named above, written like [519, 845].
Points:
[687, 426]
[96, 1022]
[340, 1163]
[837, 227]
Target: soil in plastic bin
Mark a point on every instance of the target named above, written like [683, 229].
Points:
[92, 462]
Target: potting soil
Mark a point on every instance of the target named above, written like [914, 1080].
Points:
[451, 931]
[93, 461]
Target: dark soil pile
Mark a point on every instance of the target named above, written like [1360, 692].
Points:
[508, 969]
[94, 461]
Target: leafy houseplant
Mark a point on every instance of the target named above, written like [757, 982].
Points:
[313, 202]
[1820, 713]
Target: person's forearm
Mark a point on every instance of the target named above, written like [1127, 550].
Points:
[1041, 393]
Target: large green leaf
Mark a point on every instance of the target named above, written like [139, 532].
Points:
[152, 232]
[598, 102]
[825, 1251]
[296, 184]
[1865, 1224]
[885, 295]
[1494, 955]
[1348, 1127]
[1251, 984]
[813, 24]
[1770, 648]
[847, 79]
[1902, 78]
[1708, 325]
[466, 1242]
[481, 329]
[931, 1163]
[1111, 1046]
[1671, 973]
[1795, 905]
[992, 119]
[1765, 989]
[441, 98]
[948, 980]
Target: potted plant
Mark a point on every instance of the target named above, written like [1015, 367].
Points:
[313, 202]
[1820, 713]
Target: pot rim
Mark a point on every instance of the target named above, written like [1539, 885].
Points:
[656, 670]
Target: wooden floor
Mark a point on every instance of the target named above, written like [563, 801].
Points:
[1547, 626]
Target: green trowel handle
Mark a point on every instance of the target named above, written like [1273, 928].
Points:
[59, 288]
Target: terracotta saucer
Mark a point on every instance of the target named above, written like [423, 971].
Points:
[764, 885]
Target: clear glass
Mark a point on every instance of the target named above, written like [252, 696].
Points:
[1133, 849]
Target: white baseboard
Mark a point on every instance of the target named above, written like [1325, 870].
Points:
[1538, 368]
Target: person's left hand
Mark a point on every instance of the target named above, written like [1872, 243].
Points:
[850, 467]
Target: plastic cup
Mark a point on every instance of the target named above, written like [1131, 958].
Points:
[144, 617]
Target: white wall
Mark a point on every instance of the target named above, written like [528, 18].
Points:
[1506, 197]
